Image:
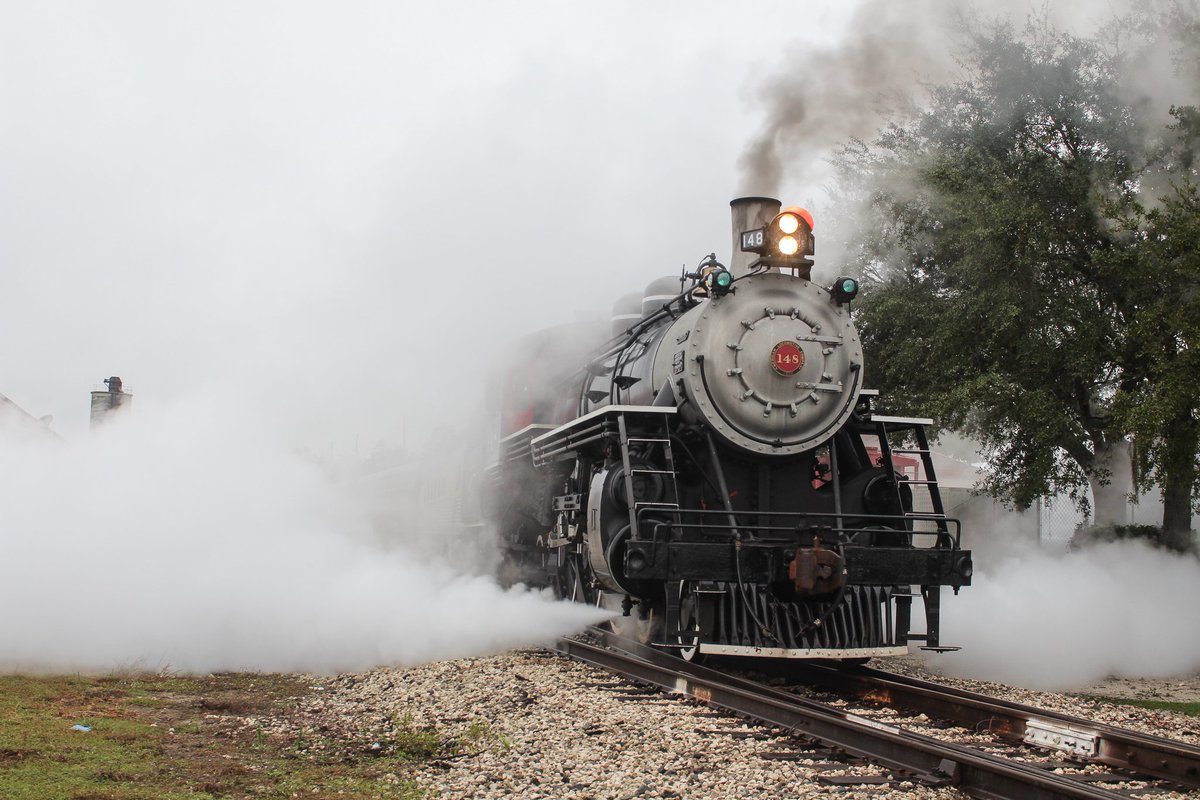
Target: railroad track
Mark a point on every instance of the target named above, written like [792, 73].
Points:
[1089, 741]
[905, 753]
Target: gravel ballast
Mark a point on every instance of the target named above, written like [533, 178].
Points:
[542, 726]
[1086, 702]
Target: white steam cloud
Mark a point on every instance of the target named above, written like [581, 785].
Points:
[334, 218]
[826, 94]
[184, 539]
[1063, 621]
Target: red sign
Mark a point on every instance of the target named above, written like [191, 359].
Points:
[787, 358]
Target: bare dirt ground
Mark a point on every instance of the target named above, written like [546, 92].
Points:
[1180, 689]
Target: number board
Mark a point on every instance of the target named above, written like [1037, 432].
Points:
[753, 240]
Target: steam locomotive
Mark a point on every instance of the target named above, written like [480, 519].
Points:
[719, 467]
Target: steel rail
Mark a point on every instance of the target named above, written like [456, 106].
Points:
[1093, 741]
[927, 760]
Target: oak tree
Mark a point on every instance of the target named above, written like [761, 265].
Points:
[1017, 287]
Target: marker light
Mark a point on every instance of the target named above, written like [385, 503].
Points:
[788, 245]
[788, 223]
[719, 282]
[844, 290]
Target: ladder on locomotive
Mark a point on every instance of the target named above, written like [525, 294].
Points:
[658, 434]
[886, 425]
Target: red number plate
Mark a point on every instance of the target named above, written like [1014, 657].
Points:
[787, 358]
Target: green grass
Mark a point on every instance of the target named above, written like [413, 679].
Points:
[1156, 705]
[170, 737]
[41, 757]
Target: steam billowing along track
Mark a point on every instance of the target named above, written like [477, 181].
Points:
[909, 755]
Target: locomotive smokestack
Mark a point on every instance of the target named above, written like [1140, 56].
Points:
[106, 403]
[749, 213]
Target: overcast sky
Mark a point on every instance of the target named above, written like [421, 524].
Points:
[318, 207]
[334, 214]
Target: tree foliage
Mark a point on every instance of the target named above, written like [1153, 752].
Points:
[1016, 286]
[1159, 394]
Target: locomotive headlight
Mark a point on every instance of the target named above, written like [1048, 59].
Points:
[784, 243]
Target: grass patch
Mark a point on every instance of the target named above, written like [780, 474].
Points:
[411, 743]
[166, 737]
[482, 736]
[1192, 708]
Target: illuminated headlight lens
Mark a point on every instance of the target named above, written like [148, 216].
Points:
[850, 286]
[789, 223]
[788, 245]
[724, 279]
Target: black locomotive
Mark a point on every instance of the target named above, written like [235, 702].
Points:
[719, 467]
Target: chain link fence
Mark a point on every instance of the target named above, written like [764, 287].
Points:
[1058, 519]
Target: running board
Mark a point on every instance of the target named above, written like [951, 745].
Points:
[781, 652]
